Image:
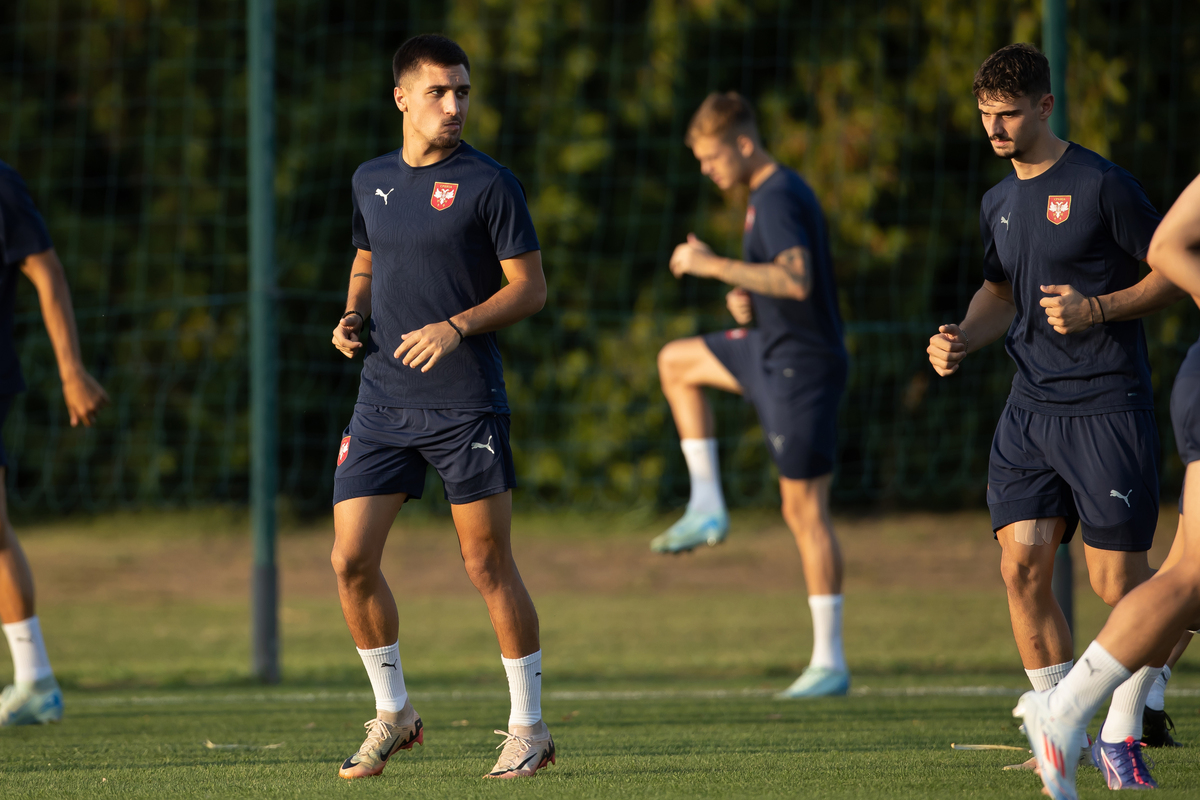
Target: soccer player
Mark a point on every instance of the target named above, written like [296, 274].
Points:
[1063, 236]
[791, 367]
[1147, 623]
[437, 225]
[25, 245]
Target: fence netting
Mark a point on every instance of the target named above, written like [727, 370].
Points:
[128, 120]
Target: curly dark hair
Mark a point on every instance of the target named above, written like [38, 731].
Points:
[1016, 70]
[427, 48]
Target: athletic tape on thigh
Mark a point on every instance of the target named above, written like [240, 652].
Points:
[1034, 531]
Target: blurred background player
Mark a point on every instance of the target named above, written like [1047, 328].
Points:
[1146, 625]
[791, 367]
[437, 225]
[34, 696]
[1063, 235]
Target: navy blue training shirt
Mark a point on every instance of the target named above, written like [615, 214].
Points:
[1087, 223]
[22, 234]
[784, 213]
[437, 235]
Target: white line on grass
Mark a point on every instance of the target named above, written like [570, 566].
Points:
[611, 696]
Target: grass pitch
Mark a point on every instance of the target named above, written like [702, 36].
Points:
[659, 671]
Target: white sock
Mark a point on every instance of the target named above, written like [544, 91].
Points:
[827, 631]
[30, 662]
[1079, 696]
[1125, 714]
[1047, 678]
[705, 475]
[1156, 701]
[387, 676]
[525, 688]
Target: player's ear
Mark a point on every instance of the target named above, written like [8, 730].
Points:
[744, 145]
[1046, 106]
[401, 100]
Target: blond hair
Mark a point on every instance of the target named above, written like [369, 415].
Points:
[723, 114]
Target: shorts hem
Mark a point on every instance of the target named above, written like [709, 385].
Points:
[480, 494]
[1032, 508]
[349, 489]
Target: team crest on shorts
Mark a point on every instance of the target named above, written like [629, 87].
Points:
[736, 333]
[1058, 208]
[750, 213]
[344, 450]
[443, 195]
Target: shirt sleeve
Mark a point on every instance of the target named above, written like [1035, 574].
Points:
[358, 225]
[781, 224]
[22, 229]
[993, 270]
[506, 215]
[1128, 214]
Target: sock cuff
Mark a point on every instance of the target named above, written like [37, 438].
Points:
[21, 625]
[1166, 673]
[697, 442]
[1053, 669]
[523, 661]
[380, 651]
[824, 600]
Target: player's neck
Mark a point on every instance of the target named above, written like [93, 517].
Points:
[418, 151]
[1042, 156]
[761, 168]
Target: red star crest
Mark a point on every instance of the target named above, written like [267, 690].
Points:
[344, 450]
[1058, 208]
[750, 213]
[443, 195]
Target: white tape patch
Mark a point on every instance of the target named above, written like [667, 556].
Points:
[1034, 532]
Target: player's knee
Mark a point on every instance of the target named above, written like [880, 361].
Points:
[1022, 575]
[485, 568]
[350, 563]
[1112, 586]
[672, 362]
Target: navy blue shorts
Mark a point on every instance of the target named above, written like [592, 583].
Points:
[796, 401]
[5, 405]
[385, 451]
[1185, 406]
[1101, 470]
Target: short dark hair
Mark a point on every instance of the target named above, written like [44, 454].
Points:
[722, 114]
[1017, 70]
[427, 48]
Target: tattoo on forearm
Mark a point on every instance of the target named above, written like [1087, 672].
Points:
[361, 275]
[788, 276]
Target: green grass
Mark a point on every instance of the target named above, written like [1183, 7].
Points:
[650, 693]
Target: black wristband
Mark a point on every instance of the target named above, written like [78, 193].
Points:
[352, 311]
[457, 330]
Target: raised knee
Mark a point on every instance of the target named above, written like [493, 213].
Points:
[1111, 588]
[668, 362]
[484, 569]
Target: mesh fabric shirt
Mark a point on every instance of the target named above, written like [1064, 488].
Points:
[1087, 223]
[437, 235]
[784, 213]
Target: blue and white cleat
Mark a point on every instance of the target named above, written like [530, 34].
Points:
[1122, 764]
[694, 529]
[34, 703]
[1055, 745]
[817, 682]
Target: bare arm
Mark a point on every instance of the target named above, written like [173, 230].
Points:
[1175, 249]
[988, 318]
[347, 335]
[787, 276]
[1070, 311]
[83, 394]
[523, 296]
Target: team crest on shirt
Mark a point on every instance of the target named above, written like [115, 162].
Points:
[443, 195]
[749, 219]
[736, 333]
[344, 450]
[1058, 208]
